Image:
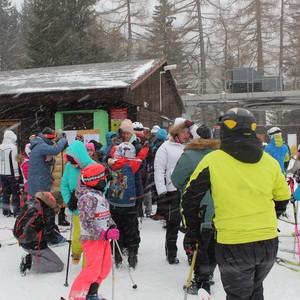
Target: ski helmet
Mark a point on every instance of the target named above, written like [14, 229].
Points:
[237, 122]
[137, 126]
[125, 149]
[154, 129]
[93, 175]
[272, 131]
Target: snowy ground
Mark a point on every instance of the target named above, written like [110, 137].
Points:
[155, 278]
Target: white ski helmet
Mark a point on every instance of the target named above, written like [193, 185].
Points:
[138, 126]
[155, 129]
[125, 149]
[272, 131]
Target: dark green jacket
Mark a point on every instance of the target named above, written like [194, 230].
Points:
[192, 155]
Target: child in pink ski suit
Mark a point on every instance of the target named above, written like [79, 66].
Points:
[97, 228]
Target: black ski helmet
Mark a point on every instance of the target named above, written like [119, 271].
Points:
[237, 122]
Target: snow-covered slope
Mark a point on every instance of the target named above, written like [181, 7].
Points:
[155, 278]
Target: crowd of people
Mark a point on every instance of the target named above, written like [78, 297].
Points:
[224, 194]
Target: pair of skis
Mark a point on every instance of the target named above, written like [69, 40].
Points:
[289, 264]
[204, 295]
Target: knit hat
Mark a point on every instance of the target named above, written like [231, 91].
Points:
[93, 173]
[204, 131]
[127, 126]
[161, 134]
[181, 124]
[125, 149]
[48, 199]
[90, 146]
[49, 133]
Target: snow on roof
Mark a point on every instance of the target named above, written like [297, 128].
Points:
[79, 77]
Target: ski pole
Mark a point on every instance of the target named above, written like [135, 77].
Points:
[113, 271]
[188, 283]
[69, 253]
[134, 286]
[296, 228]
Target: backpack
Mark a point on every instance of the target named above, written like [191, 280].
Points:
[121, 191]
[29, 222]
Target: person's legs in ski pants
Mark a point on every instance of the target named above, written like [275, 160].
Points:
[244, 267]
[98, 265]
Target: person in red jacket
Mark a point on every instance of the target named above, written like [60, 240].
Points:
[122, 198]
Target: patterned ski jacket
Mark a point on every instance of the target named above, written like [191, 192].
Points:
[94, 214]
[246, 184]
[187, 163]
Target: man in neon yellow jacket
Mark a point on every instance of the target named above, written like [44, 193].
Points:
[249, 191]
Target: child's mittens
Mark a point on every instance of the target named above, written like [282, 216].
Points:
[113, 234]
[110, 234]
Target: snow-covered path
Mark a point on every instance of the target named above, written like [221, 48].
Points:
[155, 278]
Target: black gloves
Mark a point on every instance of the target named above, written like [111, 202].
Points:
[191, 238]
[72, 205]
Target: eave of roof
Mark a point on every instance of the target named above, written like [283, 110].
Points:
[115, 75]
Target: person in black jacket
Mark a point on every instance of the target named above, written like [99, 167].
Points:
[40, 257]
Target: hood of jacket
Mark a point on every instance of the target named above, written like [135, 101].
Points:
[244, 149]
[108, 136]
[9, 137]
[38, 140]
[203, 144]
[78, 151]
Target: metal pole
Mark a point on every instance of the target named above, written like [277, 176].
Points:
[160, 91]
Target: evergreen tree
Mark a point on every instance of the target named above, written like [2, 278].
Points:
[9, 36]
[64, 33]
[162, 38]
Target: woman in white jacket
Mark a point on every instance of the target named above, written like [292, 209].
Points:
[9, 172]
[164, 163]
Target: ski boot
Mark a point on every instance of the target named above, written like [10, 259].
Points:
[173, 260]
[62, 218]
[25, 264]
[75, 258]
[132, 259]
[192, 289]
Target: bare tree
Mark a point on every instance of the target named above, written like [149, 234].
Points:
[129, 16]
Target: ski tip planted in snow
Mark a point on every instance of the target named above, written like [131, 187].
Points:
[204, 295]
